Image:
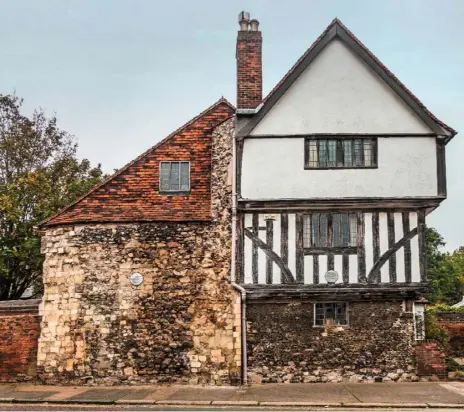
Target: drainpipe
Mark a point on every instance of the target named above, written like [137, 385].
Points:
[243, 332]
[233, 255]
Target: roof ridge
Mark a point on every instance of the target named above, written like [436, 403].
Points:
[222, 100]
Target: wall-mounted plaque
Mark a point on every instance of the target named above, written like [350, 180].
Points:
[331, 276]
[136, 279]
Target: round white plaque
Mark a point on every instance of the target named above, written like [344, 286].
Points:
[136, 279]
[331, 276]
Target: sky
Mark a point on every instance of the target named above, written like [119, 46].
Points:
[120, 75]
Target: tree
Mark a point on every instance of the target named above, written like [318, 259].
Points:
[445, 271]
[39, 174]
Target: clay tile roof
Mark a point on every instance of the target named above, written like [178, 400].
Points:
[218, 112]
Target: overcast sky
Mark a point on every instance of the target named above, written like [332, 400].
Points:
[122, 74]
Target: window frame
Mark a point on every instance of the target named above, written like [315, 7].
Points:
[339, 152]
[347, 314]
[171, 192]
[324, 250]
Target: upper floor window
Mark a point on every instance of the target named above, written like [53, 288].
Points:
[340, 152]
[174, 176]
[330, 230]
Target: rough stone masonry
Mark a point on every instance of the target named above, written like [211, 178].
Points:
[182, 324]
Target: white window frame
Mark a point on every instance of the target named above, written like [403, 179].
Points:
[418, 310]
[347, 313]
[175, 190]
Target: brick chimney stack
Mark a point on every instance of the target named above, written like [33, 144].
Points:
[249, 63]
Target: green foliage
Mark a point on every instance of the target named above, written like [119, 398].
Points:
[443, 307]
[445, 271]
[452, 365]
[434, 330]
[39, 174]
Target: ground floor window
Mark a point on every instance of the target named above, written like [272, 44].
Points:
[330, 313]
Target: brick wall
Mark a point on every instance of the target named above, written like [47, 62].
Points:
[453, 323]
[19, 334]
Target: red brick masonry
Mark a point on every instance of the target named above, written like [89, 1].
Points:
[132, 194]
[19, 334]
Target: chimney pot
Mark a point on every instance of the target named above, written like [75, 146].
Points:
[254, 25]
[244, 20]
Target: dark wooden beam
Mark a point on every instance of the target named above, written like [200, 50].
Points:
[407, 247]
[287, 274]
[269, 243]
[422, 245]
[299, 248]
[339, 204]
[373, 274]
[391, 243]
[254, 248]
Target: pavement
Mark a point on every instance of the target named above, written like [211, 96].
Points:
[327, 395]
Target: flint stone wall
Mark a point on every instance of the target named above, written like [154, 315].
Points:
[182, 324]
[284, 346]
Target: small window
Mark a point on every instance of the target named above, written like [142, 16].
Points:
[330, 314]
[174, 176]
[330, 230]
[340, 153]
[419, 321]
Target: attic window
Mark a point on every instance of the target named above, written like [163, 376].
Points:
[340, 153]
[174, 177]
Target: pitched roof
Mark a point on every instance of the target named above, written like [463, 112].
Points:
[199, 127]
[336, 29]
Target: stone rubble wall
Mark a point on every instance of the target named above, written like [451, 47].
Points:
[19, 335]
[182, 324]
[284, 346]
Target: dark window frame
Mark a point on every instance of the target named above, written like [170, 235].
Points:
[324, 324]
[175, 192]
[339, 151]
[312, 249]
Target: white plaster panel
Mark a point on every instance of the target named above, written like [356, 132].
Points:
[292, 244]
[323, 265]
[339, 93]
[273, 168]
[415, 271]
[276, 248]
[338, 266]
[248, 252]
[383, 242]
[261, 254]
[368, 242]
[308, 270]
[400, 274]
[353, 272]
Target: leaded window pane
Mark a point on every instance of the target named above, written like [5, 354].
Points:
[358, 148]
[313, 154]
[344, 228]
[164, 176]
[368, 153]
[332, 153]
[348, 153]
[185, 176]
[323, 153]
[330, 314]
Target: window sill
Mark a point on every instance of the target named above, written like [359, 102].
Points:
[340, 168]
[352, 250]
[174, 193]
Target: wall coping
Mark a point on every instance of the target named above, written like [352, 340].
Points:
[27, 306]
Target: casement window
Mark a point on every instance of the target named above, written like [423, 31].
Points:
[328, 314]
[174, 176]
[340, 153]
[330, 230]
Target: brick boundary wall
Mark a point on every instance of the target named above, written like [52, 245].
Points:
[453, 323]
[19, 334]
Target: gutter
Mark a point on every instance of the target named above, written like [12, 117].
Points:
[233, 266]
